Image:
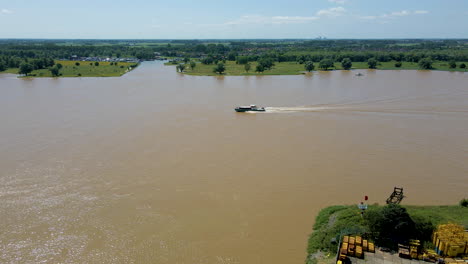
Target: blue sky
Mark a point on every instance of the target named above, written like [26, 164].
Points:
[184, 19]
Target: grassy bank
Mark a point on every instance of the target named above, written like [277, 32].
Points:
[84, 69]
[335, 220]
[293, 68]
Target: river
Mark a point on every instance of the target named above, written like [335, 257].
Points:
[156, 167]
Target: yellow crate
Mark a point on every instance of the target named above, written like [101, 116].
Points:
[358, 240]
[358, 251]
[371, 247]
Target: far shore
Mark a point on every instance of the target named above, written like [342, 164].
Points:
[293, 68]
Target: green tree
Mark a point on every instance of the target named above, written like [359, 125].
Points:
[325, 64]
[346, 63]
[390, 225]
[309, 66]
[25, 68]
[180, 67]
[186, 60]
[464, 203]
[267, 63]
[220, 68]
[247, 67]
[2, 66]
[232, 56]
[372, 63]
[462, 66]
[425, 64]
[398, 64]
[192, 65]
[77, 63]
[60, 66]
[55, 71]
[260, 68]
[96, 63]
[452, 64]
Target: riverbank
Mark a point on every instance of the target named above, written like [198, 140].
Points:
[293, 68]
[346, 219]
[82, 69]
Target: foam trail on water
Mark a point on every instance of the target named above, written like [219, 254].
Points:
[288, 109]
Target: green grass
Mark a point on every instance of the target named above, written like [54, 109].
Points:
[83, 70]
[331, 221]
[11, 70]
[441, 214]
[292, 68]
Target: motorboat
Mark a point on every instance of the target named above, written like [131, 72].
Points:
[251, 108]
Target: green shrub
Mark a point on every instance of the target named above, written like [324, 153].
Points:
[464, 203]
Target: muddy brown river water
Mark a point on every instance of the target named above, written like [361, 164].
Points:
[156, 167]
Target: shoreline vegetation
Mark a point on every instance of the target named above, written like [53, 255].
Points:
[293, 68]
[64, 68]
[231, 57]
[334, 221]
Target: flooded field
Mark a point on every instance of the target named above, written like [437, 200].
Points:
[157, 167]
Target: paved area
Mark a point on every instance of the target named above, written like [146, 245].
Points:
[380, 257]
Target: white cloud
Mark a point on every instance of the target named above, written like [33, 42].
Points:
[275, 20]
[395, 14]
[332, 12]
[6, 11]
[420, 12]
[338, 1]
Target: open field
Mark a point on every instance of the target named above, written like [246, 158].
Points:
[293, 68]
[85, 69]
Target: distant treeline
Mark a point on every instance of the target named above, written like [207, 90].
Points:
[37, 52]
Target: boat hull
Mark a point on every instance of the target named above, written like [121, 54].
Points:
[241, 110]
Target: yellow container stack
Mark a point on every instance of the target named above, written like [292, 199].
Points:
[450, 240]
[354, 246]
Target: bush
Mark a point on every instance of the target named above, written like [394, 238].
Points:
[346, 63]
[462, 66]
[425, 64]
[309, 66]
[77, 63]
[398, 64]
[260, 68]
[372, 63]
[220, 68]
[325, 64]
[464, 203]
[452, 64]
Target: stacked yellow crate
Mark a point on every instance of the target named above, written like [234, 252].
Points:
[450, 240]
